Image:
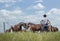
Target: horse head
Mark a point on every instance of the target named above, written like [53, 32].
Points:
[31, 25]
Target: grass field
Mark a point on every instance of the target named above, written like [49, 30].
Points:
[29, 36]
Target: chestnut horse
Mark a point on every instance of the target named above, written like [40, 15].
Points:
[34, 27]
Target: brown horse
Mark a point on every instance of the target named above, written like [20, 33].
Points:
[52, 29]
[34, 27]
[18, 27]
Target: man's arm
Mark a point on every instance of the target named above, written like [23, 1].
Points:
[49, 23]
[41, 21]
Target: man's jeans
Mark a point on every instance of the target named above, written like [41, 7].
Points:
[44, 27]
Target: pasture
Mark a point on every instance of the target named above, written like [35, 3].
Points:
[30, 36]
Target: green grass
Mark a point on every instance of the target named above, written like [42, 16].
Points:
[29, 36]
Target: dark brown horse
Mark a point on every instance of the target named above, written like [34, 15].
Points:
[18, 27]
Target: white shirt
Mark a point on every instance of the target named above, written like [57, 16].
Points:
[44, 21]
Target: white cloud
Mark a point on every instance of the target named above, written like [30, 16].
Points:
[10, 14]
[37, 6]
[10, 1]
[55, 11]
[38, 1]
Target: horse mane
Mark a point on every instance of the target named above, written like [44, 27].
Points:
[31, 23]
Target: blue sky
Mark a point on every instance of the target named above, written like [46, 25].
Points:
[15, 11]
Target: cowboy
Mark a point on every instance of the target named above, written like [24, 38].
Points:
[45, 23]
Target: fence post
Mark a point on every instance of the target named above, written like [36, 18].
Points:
[4, 26]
